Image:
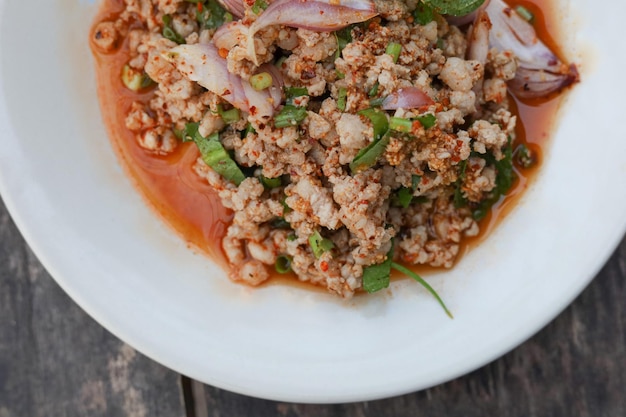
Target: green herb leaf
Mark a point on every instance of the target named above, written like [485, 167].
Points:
[379, 121]
[423, 14]
[454, 7]
[402, 198]
[319, 245]
[212, 15]
[374, 90]
[292, 92]
[459, 198]
[426, 285]
[377, 277]
[415, 181]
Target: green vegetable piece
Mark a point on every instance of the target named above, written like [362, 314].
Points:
[368, 156]
[454, 7]
[292, 92]
[379, 121]
[261, 81]
[394, 49]
[280, 223]
[428, 120]
[249, 129]
[374, 90]
[270, 183]
[426, 285]
[403, 198]
[319, 245]
[292, 237]
[459, 198]
[213, 153]
[135, 80]
[415, 181]
[524, 156]
[259, 6]
[283, 264]
[423, 14]
[526, 14]
[377, 102]
[400, 125]
[340, 75]
[229, 116]
[211, 15]
[169, 33]
[342, 96]
[289, 115]
[377, 277]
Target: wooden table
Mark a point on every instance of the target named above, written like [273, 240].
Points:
[56, 361]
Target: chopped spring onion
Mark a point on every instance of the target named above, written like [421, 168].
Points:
[401, 125]
[377, 102]
[248, 129]
[169, 33]
[526, 14]
[368, 156]
[459, 198]
[280, 223]
[319, 245]
[261, 81]
[394, 49]
[259, 6]
[340, 75]
[229, 116]
[213, 153]
[135, 80]
[289, 115]
[342, 96]
[428, 120]
[379, 121]
[419, 279]
[292, 92]
[377, 277]
[283, 264]
[210, 14]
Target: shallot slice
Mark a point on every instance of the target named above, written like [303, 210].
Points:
[236, 7]
[406, 98]
[540, 71]
[317, 15]
[203, 64]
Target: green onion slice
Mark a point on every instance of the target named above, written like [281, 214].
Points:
[289, 115]
[342, 96]
[283, 264]
[169, 33]
[394, 49]
[261, 81]
[526, 14]
[319, 245]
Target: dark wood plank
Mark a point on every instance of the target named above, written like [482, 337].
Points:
[56, 361]
[574, 367]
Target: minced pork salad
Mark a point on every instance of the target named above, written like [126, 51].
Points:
[349, 137]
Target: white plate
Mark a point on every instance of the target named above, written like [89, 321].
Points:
[79, 212]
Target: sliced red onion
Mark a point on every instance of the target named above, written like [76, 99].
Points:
[203, 64]
[317, 15]
[406, 98]
[236, 7]
[478, 45]
[540, 72]
[468, 18]
[230, 35]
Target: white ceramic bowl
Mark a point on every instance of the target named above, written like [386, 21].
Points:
[90, 228]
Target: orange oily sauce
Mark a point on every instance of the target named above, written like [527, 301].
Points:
[192, 208]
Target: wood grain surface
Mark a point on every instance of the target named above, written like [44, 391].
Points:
[56, 361]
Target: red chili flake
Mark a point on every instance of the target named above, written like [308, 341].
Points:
[253, 110]
[199, 7]
[324, 266]
[223, 52]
